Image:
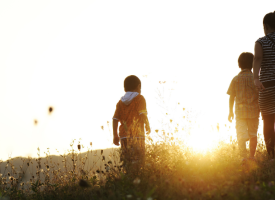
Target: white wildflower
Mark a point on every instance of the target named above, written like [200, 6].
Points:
[136, 181]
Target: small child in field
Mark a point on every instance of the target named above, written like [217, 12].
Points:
[131, 112]
[243, 91]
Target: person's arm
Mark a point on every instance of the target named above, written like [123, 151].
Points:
[258, 57]
[115, 138]
[231, 104]
[146, 122]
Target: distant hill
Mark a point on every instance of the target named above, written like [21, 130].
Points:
[89, 161]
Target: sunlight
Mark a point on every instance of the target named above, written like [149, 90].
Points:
[201, 140]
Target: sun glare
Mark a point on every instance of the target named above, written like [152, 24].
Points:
[202, 140]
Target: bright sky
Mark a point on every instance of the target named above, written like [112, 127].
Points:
[74, 56]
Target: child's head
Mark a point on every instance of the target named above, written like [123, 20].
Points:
[246, 60]
[269, 22]
[132, 84]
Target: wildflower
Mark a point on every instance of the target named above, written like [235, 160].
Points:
[256, 188]
[136, 181]
[129, 196]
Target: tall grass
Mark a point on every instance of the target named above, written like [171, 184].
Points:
[171, 170]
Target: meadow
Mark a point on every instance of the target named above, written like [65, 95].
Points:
[172, 170]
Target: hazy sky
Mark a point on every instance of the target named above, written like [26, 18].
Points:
[74, 56]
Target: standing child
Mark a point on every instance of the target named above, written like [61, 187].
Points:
[131, 112]
[243, 91]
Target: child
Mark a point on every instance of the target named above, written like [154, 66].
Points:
[243, 90]
[132, 114]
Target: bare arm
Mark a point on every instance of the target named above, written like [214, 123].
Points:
[115, 138]
[231, 105]
[146, 122]
[258, 58]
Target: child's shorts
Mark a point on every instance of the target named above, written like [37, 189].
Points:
[246, 128]
[133, 149]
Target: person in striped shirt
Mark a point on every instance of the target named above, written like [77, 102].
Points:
[244, 93]
[264, 79]
[131, 112]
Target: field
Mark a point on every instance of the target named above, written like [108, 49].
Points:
[171, 171]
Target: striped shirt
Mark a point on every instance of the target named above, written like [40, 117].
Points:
[267, 96]
[242, 87]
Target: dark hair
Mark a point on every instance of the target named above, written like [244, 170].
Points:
[131, 83]
[246, 60]
[269, 19]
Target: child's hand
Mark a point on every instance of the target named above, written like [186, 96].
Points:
[148, 130]
[116, 140]
[259, 85]
[230, 116]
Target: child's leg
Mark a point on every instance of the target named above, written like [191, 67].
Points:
[242, 147]
[252, 132]
[269, 133]
[253, 146]
[124, 150]
[242, 135]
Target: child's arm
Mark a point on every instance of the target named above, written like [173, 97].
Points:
[146, 122]
[116, 138]
[257, 65]
[231, 104]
